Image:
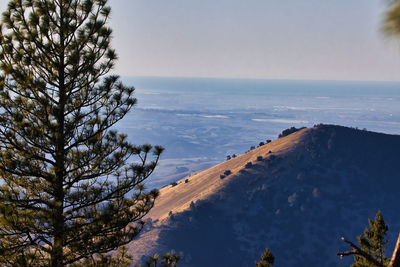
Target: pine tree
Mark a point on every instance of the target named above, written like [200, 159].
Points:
[168, 260]
[67, 189]
[119, 259]
[373, 242]
[267, 259]
[391, 23]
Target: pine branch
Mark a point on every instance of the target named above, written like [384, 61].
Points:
[357, 251]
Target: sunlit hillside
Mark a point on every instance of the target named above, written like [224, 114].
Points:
[299, 195]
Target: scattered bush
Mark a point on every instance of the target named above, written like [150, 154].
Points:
[268, 141]
[227, 172]
[248, 165]
[252, 147]
[186, 181]
[222, 176]
[261, 144]
[259, 158]
[289, 131]
[269, 152]
[174, 184]
[234, 156]
[228, 157]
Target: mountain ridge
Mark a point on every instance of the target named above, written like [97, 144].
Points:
[310, 176]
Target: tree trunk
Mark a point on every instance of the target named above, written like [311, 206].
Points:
[57, 257]
[395, 261]
[58, 242]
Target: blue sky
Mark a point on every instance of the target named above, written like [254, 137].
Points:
[285, 39]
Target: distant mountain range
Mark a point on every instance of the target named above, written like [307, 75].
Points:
[296, 195]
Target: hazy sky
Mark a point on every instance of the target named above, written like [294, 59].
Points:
[284, 39]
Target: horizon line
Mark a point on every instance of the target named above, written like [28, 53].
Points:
[260, 79]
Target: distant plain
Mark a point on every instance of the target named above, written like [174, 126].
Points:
[200, 121]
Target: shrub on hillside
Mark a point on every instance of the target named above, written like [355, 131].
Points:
[248, 165]
[227, 172]
[289, 131]
[259, 158]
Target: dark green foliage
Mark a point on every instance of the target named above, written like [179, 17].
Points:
[289, 131]
[228, 157]
[227, 172]
[234, 156]
[248, 165]
[170, 260]
[261, 144]
[222, 176]
[391, 25]
[373, 242]
[267, 259]
[259, 158]
[119, 259]
[64, 176]
[167, 260]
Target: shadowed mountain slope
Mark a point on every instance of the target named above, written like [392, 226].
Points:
[315, 185]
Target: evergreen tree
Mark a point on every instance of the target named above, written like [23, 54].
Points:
[152, 261]
[119, 259]
[67, 189]
[168, 260]
[391, 25]
[373, 242]
[267, 259]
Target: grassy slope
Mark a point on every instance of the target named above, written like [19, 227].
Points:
[208, 182]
